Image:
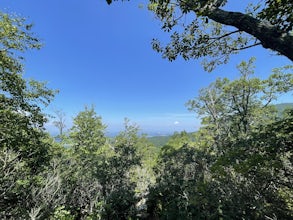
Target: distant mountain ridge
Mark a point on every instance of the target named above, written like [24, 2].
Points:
[282, 106]
[161, 140]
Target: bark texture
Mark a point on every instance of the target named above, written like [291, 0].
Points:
[269, 36]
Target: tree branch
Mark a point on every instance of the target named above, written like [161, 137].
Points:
[225, 35]
[243, 48]
[269, 36]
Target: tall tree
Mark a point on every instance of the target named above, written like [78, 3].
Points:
[87, 139]
[216, 33]
[240, 166]
[141, 171]
[22, 120]
[22, 132]
[232, 109]
[87, 133]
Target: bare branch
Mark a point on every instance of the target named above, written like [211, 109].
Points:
[243, 48]
[225, 35]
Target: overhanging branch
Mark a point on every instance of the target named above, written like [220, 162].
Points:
[268, 35]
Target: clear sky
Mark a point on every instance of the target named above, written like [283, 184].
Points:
[101, 55]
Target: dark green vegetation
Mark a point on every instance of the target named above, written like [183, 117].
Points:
[238, 165]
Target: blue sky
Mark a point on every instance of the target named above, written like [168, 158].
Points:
[101, 55]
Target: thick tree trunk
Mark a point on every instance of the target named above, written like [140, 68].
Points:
[269, 36]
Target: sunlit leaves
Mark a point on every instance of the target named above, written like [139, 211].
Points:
[87, 132]
[234, 108]
[22, 123]
[279, 13]
[15, 38]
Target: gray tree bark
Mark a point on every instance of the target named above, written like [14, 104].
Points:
[268, 35]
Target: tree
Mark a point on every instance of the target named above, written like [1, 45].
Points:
[130, 136]
[181, 190]
[240, 166]
[83, 191]
[141, 172]
[251, 169]
[12, 169]
[216, 33]
[115, 172]
[99, 184]
[46, 194]
[256, 173]
[60, 122]
[22, 120]
[87, 141]
[232, 109]
[25, 150]
[87, 133]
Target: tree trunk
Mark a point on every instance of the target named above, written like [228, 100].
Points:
[269, 36]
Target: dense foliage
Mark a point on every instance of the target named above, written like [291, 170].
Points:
[238, 165]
